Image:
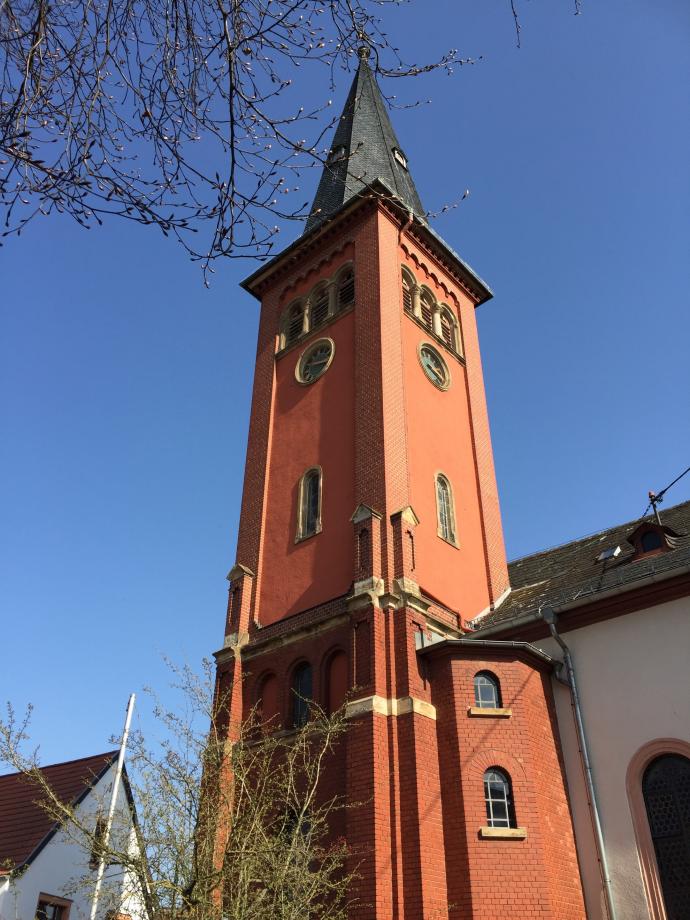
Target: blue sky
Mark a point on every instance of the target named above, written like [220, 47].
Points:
[125, 385]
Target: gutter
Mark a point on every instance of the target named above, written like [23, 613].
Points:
[549, 617]
[495, 644]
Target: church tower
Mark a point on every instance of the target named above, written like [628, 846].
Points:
[370, 538]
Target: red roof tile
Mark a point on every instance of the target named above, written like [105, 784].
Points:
[24, 826]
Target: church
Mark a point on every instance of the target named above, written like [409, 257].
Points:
[518, 736]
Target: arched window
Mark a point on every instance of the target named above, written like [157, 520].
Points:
[268, 702]
[445, 510]
[498, 797]
[666, 791]
[650, 541]
[449, 330]
[301, 694]
[487, 692]
[336, 682]
[407, 285]
[319, 307]
[427, 304]
[309, 504]
[346, 289]
[294, 324]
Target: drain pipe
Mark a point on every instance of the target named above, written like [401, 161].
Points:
[549, 617]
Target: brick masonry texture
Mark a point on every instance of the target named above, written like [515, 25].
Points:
[414, 783]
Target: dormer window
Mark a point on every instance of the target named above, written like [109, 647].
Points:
[400, 157]
[337, 153]
[650, 539]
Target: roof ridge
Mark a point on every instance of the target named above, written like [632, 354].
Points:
[594, 533]
[64, 763]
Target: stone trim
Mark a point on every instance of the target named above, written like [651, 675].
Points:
[363, 513]
[503, 833]
[489, 712]
[367, 593]
[390, 707]
[299, 367]
[260, 647]
[449, 379]
[238, 571]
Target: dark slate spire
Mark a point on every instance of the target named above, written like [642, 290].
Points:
[364, 148]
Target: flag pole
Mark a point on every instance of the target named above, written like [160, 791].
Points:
[111, 810]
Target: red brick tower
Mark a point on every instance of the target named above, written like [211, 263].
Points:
[370, 535]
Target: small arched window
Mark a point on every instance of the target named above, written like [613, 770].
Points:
[294, 324]
[407, 285]
[346, 289]
[319, 307]
[336, 682]
[427, 305]
[301, 694]
[449, 330]
[487, 691]
[445, 511]
[498, 797]
[309, 499]
[650, 541]
[268, 702]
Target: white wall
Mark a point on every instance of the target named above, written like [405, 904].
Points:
[63, 861]
[633, 675]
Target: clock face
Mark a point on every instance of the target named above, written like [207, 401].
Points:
[315, 361]
[434, 366]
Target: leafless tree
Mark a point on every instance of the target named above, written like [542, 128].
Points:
[225, 830]
[177, 113]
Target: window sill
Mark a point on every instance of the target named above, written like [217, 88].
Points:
[503, 833]
[460, 358]
[305, 336]
[484, 712]
[452, 543]
[308, 536]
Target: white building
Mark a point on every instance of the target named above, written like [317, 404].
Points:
[621, 600]
[45, 875]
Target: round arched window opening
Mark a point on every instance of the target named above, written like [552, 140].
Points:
[315, 361]
[651, 541]
[301, 694]
[487, 692]
[434, 366]
[498, 799]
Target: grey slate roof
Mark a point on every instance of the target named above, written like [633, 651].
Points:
[366, 140]
[571, 572]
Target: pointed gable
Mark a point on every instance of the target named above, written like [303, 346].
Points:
[365, 148]
[25, 827]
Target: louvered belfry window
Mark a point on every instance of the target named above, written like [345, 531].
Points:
[444, 501]
[319, 307]
[407, 295]
[666, 791]
[427, 310]
[346, 290]
[295, 322]
[448, 330]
